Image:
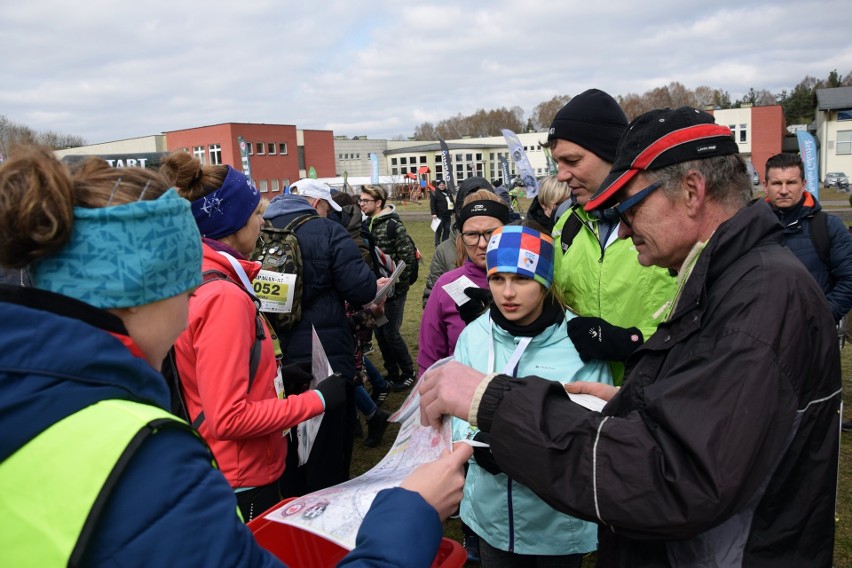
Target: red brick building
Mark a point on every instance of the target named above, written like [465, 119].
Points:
[758, 131]
[279, 154]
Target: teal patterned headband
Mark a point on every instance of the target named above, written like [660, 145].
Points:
[127, 255]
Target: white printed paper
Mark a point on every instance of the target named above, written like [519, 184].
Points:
[388, 286]
[336, 513]
[306, 432]
[456, 289]
[435, 224]
[588, 401]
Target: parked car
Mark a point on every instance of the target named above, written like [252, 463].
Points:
[831, 179]
[755, 178]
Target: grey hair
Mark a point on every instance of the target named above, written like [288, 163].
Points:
[726, 177]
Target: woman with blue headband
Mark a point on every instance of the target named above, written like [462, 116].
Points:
[94, 470]
[523, 333]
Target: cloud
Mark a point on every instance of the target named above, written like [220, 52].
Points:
[106, 71]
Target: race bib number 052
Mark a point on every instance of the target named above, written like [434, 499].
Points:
[275, 291]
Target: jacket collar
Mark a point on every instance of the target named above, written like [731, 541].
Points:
[750, 227]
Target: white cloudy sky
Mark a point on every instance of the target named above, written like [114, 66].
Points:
[108, 70]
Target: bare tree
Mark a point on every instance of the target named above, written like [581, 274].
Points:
[544, 113]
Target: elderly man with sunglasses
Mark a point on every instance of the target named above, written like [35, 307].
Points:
[721, 448]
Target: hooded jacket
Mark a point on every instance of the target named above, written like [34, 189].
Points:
[727, 423]
[333, 272]
[399, 248]
[835, 278]
[243, 427]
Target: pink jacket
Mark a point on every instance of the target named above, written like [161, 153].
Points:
[243, 429]
[441, 324]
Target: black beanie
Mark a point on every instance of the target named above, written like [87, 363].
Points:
[470, 185]
[592, 120]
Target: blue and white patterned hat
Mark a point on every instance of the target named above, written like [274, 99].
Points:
[523, 251]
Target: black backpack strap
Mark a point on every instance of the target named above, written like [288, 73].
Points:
[112, 479]
[259, 336]
[570, 229]
[392, 223]
[299, 221]
[819, 236]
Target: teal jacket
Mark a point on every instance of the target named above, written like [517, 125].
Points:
[609, 283]
[505, 513]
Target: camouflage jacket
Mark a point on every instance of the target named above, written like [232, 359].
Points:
[399, 248]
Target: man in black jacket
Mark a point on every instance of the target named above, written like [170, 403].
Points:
[721, 447]
[441, 206]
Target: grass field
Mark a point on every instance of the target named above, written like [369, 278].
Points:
[365, 458]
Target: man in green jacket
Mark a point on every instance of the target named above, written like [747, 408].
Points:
[597, 274]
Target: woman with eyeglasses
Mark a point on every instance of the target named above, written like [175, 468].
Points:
[523, 333]
[445, 315]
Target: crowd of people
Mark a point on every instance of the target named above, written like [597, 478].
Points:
[644, 274]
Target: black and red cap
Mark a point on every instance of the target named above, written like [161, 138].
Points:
[661, 138]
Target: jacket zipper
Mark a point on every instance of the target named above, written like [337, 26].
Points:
[511, 518]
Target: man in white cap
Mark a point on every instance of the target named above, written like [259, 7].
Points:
[333, 271]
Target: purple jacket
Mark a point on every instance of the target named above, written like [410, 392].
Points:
[441, 324]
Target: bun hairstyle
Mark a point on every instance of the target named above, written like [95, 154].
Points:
[192, 179]
[38, 194]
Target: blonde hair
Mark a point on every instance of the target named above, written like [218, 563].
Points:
[552, 192]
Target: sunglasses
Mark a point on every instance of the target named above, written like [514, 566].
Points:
[632, 201]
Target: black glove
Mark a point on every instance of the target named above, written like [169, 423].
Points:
[483, 456]
[333, 390]
[594, 338]
[480, 299]
[297, 377]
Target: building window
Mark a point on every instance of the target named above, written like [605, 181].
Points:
[403, 161]
[250, 148]
[261, 148]
[844, 142]
[275, 185]
[358, 156]
[300, 152]
[282, 148]
[394, 171]
[285, 183]
[743, 132]
[422, 159]
[215, 154]
[393, 161]
[271, 147]
[198, 152]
